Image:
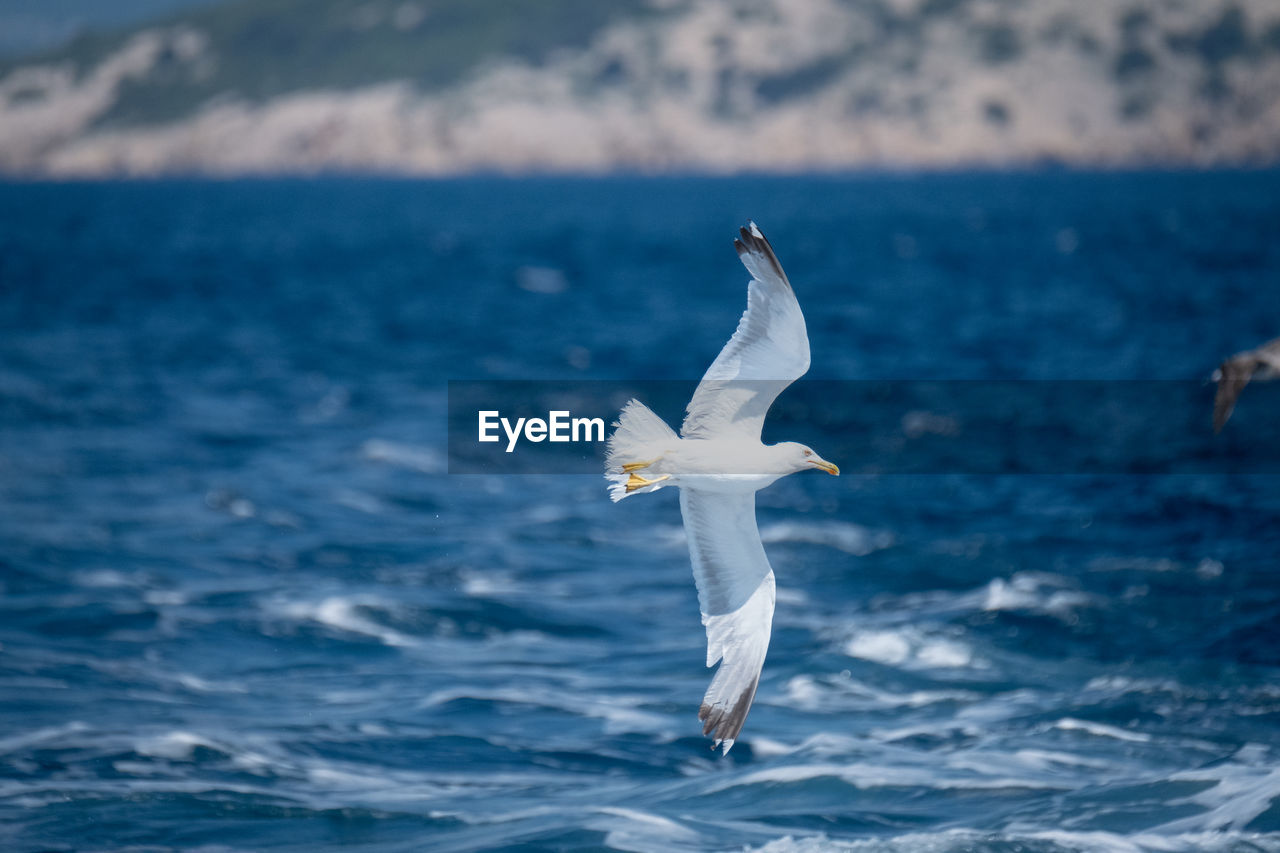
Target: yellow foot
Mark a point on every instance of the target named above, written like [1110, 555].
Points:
[638, 482]
[636, 466]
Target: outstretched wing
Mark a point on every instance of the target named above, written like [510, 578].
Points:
[1269, 354]
[769, 351]
[1236, 372]
[1233, 375]
[735, 594]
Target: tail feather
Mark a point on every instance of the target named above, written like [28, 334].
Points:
[640, 436]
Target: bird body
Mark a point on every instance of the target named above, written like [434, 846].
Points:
[719, 463]
[725, 466]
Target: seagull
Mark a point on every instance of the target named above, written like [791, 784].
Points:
[719, 463]
[1262, 363]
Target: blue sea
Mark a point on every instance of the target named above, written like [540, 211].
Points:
[245, 606]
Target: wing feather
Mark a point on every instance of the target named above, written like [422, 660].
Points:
[1234, 374]
[768, 351]
[736, 596]
[1269, 354]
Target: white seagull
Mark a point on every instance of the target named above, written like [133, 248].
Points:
[719, 463]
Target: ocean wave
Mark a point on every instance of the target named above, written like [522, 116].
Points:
[229, 625]
[620, 713]
[1101, 730]
[1035, 592]
[346, 614]
[910, 648]
[1241, 791]
[842, 535]
[424, 460]
[865, 776]
[16, 742]
[1051, 841]
[841, 692]
[638, 831]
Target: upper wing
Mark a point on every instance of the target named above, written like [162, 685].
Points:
[735, 594]
[769, 351]
[1233, 375]
[1269, 353]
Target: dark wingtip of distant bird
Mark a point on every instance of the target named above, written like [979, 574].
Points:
[1236, 372]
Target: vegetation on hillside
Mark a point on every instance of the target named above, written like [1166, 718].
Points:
[262, 48]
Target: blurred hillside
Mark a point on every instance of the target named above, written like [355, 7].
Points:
[444, 86]
[27, 26]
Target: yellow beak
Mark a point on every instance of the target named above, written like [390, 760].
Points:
[824, 465]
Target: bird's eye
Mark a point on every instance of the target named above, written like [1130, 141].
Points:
[808, 453]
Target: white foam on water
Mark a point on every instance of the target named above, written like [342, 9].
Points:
[259, 757]
[1100, 730]
[342, 613]
[176, 745]
[256, 763]
[114, 788]
[542, 280]
[424, 460]
[940, 654]
[138, 768]
[202, 685]
[763, 747]
[479, 584]
[1153, 842]
[165, 597]
[887, 647]
[359, 501]
[640, 538]
[1053, 841]
[330, 778]
[546, 513]
[1047, 759]
[1241, 793]
[867, 776]
[12, 743]
[910, 648]
[1047, 768]
[810, 694]
[1036, 592]
[823, 745]
[1027, 591]
[931, 729]
[804, 691]
[1119, 685]
[842, 535]
[621, 713]
[641, 832]
[1209, 568]
[103, 579]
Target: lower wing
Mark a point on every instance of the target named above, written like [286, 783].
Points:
[736, 596]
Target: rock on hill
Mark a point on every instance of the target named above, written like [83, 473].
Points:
[447, 86]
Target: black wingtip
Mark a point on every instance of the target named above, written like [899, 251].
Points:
[751, 240]
[724, 724]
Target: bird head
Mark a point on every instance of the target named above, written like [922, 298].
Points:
[803, 458]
